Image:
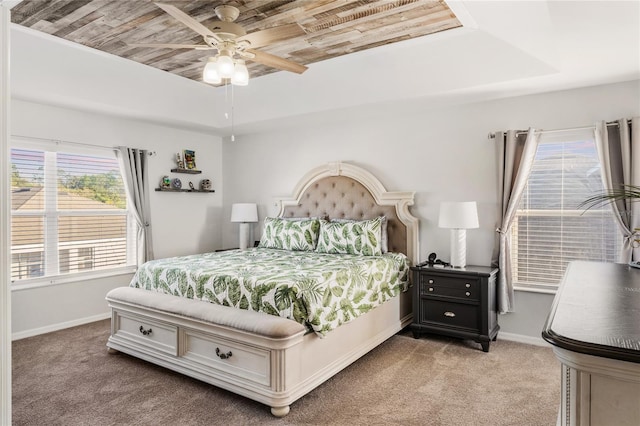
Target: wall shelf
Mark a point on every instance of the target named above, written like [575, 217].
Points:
[184, 190]
[175, 185]
[187, 171]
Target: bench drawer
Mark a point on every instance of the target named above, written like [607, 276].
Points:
[147, 332]
[228, 357]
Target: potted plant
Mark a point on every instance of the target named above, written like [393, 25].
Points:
[621, 193]
[624, 192]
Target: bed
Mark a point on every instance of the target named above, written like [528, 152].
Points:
[244, 331]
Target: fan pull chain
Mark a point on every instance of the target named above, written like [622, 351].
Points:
[226, 99]
[226, 107]
[233, 136]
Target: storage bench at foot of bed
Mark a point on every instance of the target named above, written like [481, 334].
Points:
[263, 357]
[241, 353]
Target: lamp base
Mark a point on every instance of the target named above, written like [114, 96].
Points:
[458, 248]
[244, 235]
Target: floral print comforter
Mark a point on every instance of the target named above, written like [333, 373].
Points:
[321, 291]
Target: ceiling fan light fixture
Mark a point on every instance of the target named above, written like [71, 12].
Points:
[210, 73]
[225, 66]
[240, 74]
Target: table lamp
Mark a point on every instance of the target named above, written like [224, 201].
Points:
[458, 216]
[245, 214]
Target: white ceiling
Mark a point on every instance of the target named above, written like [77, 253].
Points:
[505, 48]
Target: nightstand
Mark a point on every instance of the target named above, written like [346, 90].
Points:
[457, 302]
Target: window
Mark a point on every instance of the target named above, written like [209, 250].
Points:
[549, 230]
[68, 213]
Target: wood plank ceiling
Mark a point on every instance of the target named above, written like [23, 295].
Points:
[332, 27]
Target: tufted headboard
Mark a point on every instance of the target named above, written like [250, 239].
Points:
[342, 190]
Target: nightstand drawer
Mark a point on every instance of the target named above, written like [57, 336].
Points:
[453, 314]
[461, 283]
[461, 293]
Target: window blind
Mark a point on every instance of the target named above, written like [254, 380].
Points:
[549, 230]
[69, 214]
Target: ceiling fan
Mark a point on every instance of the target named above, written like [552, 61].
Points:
[231, 41]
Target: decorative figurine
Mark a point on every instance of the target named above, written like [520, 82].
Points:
[205, 185]
[191, 185]
[176, 183]
[189, 159]
[165, 182]
[179, 161]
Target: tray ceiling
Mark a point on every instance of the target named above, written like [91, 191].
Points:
[332, 28]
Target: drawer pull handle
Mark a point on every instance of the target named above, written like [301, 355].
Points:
[467, 285]
[223, 356]
[468, 294]
[449, 314]
[430, 288]
[430, 281]
[145, 332]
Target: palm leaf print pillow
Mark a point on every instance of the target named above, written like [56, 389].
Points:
[287, 234]
[361, 237]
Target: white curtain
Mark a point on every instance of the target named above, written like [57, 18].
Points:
[133, 163]
[516, 151]
[619, 150]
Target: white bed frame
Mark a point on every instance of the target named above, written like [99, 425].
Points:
[263, 357]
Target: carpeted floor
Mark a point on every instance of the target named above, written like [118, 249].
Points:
[67, 378]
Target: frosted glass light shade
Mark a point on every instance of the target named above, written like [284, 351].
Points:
[240, 74]
[210, 73]
[225, 66]
[244, 212]
[458, 215]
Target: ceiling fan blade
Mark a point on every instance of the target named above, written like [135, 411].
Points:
[188, 21]
[172, 46]
[272, 35]
[276, 61]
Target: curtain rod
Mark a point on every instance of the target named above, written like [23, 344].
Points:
[492, 135]
[61, 141]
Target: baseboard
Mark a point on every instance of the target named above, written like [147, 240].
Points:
[59, 326]
[521, 338]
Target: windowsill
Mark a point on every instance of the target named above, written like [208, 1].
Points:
[530, 289]
[71, 278]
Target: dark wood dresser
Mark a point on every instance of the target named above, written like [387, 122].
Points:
[457, 302]
[594, 327]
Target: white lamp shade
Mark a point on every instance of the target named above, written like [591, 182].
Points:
[244, 212]
[458, 215]
[210, 73]
[225, 66]
[240, 74]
